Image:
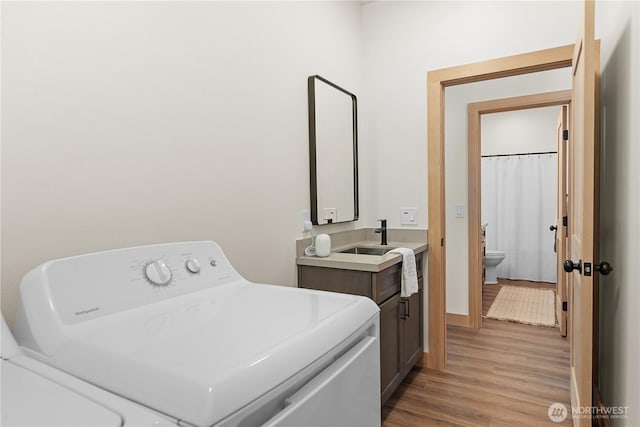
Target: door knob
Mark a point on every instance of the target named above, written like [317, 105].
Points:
[553, 228]
[603, 268]
[569, 266]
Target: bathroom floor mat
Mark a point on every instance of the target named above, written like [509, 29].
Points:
[524, 305]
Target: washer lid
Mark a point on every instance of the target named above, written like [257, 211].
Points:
[31, 400]
[202, 356]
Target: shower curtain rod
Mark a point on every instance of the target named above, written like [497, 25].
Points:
[519, 154]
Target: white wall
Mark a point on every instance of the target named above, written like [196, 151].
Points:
[618, 26]
[404, 40]
[522, 131]
[129, 123]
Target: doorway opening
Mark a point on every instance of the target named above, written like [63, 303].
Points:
[475, 235]
[584, 59]
[437, 81]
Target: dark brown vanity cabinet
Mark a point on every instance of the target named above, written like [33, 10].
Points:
[412, 328]
[390, 357]
[401, 319]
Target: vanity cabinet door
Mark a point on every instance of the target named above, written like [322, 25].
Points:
[390, 361]
[411, 325]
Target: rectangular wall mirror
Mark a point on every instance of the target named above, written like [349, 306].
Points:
[333, 152]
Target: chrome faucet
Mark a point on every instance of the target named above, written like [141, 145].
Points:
[383, 231]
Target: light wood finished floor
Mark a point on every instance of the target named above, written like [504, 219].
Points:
[504, 374]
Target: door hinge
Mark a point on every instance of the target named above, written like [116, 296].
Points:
[564, 306]
[442, 242]
[586, 269]
[565, 221]
[565, 135]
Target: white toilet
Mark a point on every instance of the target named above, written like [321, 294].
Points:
[491, 261]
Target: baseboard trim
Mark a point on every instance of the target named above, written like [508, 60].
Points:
[459, 320]
[423, 362]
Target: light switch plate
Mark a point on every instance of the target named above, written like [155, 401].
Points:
[459, 211]
[408, 216]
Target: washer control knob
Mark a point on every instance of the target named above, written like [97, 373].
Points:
[193, 265]
[158, 272]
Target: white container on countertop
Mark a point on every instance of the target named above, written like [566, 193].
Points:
[323, 245]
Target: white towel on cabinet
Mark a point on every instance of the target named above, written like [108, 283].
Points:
[409, 285]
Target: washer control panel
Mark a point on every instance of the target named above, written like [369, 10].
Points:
[90, 286]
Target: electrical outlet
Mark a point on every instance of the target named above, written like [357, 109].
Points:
[330, 214]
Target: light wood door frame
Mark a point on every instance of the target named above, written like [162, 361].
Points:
[584, 216]
[474, 194]
[562, 135]
[437, 81]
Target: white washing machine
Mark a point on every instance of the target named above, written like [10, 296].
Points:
[175, 328]
[35, 394]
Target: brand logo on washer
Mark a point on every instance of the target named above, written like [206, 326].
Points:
[87, 311]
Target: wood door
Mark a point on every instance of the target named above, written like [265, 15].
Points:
[583, 219]
[561, 220]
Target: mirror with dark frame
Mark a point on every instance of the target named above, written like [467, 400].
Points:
[333, 152]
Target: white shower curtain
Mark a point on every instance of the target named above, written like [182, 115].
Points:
[519, 205]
